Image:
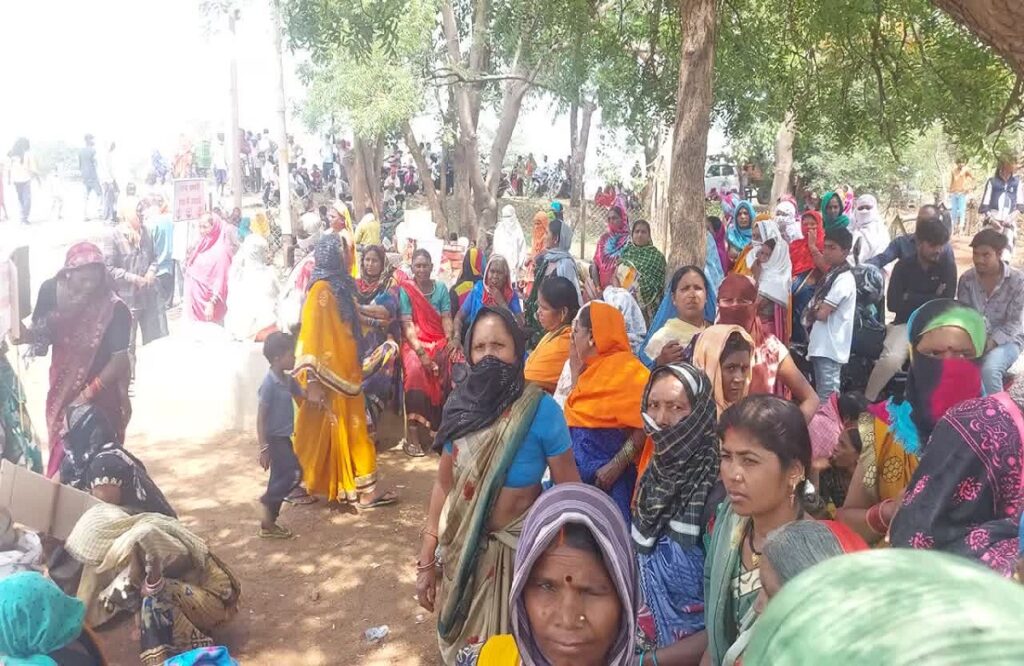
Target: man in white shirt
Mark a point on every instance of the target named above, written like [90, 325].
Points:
[220, 163]
[833, 307]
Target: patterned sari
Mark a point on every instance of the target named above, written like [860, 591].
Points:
[379, 360]
[477, 565]
[650, 266]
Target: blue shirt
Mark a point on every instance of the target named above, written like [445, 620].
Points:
[548, 437]
[905, 247]
[277, 400]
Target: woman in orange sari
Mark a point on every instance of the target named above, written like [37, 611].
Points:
[332, 444]
[603, 409]
[557, 306]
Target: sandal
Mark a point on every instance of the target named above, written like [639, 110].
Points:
[390, 497]
[410, 451]
[275, 532]
[300, 498]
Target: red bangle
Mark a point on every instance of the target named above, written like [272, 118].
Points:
[874, 520]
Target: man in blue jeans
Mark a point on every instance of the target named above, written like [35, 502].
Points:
[995, 290]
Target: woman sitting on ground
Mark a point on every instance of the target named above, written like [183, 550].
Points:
[495, 290]
[947, 340]
[603, 408]
[837, 446]
[86, 328]
[965, 497]
[678, 320]
[724, 353]
[765, 457]
[677, 493]
[96, 462]
[557, 305]
[789, 551]
[650, 264]
[472, 273]
[152, 565]
[898, 608]
[332, 443]
[39, 624]
[427, 351]
[774, 370]
[574, 550]
[497, 437]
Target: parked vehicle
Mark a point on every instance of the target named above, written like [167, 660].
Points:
[720, 178]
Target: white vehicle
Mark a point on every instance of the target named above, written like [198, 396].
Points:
[721, 178]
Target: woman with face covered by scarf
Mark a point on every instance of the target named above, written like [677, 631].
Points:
[677, 493]
[573, 543]
[947, 341]
[809, 266]
[870, 235]
[611, 243]
[774, 370]
[773, 273]
[497, 436]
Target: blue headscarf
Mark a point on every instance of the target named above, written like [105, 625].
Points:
[36, 618]
[667, 310]
[740, 238]
[329, 266]
[715, 273]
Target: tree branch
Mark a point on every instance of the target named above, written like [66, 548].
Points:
[1000, 122]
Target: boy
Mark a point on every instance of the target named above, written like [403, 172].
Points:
[275, 422]
[832, 310]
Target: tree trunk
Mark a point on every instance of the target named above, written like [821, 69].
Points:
[463, 193]
[284, 215]
[580, 127]
[998, 23]
[233, 145]
[690, 142]
[783, 157]
[436, 209]
[364, 176]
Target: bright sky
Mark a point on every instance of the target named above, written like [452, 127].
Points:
[140, 72]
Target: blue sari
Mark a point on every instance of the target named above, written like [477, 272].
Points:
[594, 448]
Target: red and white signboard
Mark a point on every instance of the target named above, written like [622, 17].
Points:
[189, 199]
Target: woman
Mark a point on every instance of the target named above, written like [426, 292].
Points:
[18, 442]
[206, 272]
[97, 463]
[557, 305]
[497, 437]
[339, 219]
[178, 588]
[472, 273]
[965, 497]
[870, 235]
[774, 370]
[725, 354]
[809, 265]
[765, 456]
[789, 551]
[131, 260]
[837, 447]
[39, 624]
[947, 340]
[538, 237]
[650, 264]
[669, 336]
[716, 229]
[510, 242]
[88, 327]
[611, 244]
[574, 550]
[621, 295]
[740, 233]
[332, 444]
[898, 608]
[377, 297]
[427, 351]
[832, 212]
[787, 220]
[773, 273]
[555, 260]
[677, 494]
[252, 292]
[494, 290]
[603, 408]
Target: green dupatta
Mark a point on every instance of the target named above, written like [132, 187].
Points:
[724, 555]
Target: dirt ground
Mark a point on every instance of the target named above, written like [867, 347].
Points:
[308, 600]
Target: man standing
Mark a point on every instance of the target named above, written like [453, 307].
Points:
[108, 178]
[220, 164]
[1004, 199]
[961, 182]
[929, 274]
[327, 156]
[995, 290]
[90, 173]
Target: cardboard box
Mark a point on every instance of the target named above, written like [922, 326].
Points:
[39, 503]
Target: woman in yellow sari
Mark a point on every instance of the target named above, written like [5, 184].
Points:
[557, 306]
[332, 444]
[947, 341]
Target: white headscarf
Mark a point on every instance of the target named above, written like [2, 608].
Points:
[252, 290]
[870, 235]
[509, 240]
[788, 222]
[777, 272]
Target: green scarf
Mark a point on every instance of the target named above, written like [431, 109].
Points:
[650, 267]
[838, 222]
[724, 556]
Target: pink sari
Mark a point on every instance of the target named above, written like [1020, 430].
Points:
[206, 275]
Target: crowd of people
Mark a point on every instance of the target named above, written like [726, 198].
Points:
[633, 466]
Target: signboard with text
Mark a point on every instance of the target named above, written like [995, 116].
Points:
[189, 199]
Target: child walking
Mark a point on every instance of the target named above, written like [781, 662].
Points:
[275, 424]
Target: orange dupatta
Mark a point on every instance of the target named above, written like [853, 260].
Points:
[609, 391]
[544, 364]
